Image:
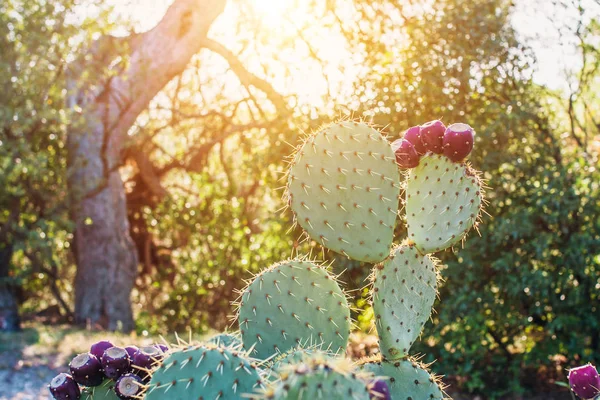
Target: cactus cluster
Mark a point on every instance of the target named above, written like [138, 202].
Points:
[343, 187]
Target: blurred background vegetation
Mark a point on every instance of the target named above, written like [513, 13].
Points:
[202, 164]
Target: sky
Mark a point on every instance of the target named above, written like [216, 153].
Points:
[544, 26]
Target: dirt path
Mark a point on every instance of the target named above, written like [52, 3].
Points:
[23, 378]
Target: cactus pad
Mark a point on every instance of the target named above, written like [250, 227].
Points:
[343, 187]
[204, 372]
[320, 378]
[404, 289]
[232, 340]
[408, 379]
[105, 391]
[293, 303]
[443, 200]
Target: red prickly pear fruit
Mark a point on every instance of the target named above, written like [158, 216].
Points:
[86, 370]
[100, 347]
[413, 135]
[458, 141]
[64, 387]
[380, 390]
[406, 155]
[115, 362]
[432, 136]
[584, 381]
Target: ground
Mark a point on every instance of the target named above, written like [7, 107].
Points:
[31, 358]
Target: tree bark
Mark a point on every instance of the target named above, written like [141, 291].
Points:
[104, 251]
[9, 312]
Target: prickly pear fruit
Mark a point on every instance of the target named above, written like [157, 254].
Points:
[432, 136]
[380, 390]
[408, 380]
[232, 340]
[129, 387]
[406, 155]
[64, 387]
[342, 187]
[204, 371]
[295, 302]
[115, 362]
[413, 135]
[318, 378]
[162, 347]
[105, 391]
[443, 201]
[100, 347]
[404, 289]
[458, 141]
[584, 381]
[131, 350]
[144, 359]
[86, 370]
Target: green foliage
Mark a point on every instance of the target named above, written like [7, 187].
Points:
[36, 39]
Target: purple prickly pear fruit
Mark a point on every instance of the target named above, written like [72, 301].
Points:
[129, 387]
[458, 141]
[584, 381]
[131, 350]
[413, 135]
[64, 387]
[86, 370]
[100, 347]
[406, 155]
[162, 347]
[432, 136]
[115, 362]
[380, 390]
[144, 359]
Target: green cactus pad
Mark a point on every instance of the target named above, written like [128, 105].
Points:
[104, 391]
[293, 303]
[204, 371]
[320, 378]
[443, 201]
[404, 289]
[408, 379]
[343, 187]
[294, 356]
[232, 340]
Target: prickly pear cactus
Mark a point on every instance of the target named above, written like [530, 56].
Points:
[443, 200]
[297, 355]
[320, 378]
[343, 187]
[292, 303]
[408, 379]
[404, 289]
[232, 340]
[105, 391]
[204, 371]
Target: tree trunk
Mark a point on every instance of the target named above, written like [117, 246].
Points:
[104, 251]
[9, 311]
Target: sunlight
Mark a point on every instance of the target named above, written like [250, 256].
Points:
[270, 10]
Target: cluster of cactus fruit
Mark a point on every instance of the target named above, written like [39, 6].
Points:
[343, 187]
